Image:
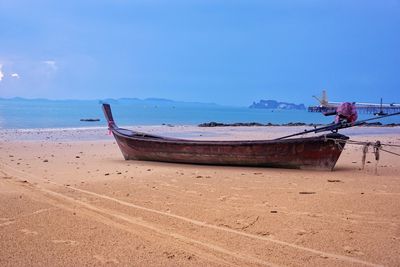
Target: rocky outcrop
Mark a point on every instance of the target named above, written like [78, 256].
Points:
[220, 124]
[273, 104]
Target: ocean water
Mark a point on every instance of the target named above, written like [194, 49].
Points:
[28, 114]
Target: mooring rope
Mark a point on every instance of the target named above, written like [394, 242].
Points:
[391, 152]
[363, 143]
[377, 147]
[391, 145]
[364, 155]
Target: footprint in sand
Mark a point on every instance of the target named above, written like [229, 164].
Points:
[7, 223]
[103, 260]
[237, 188]
[222, 198]
[66, 242]
[301, 232]
[351, 250]
[28, 232]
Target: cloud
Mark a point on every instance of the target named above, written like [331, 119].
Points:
[15, 75]
[51, 63]
[1, 73]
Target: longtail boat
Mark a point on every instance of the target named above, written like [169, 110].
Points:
[320, 152]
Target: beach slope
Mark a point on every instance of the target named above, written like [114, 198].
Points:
[64, 201]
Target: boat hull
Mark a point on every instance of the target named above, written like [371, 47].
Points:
[320, 152]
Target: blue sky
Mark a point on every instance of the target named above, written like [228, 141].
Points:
[227, 52]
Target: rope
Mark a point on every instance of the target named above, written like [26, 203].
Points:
[364, 156]
[391, 145]
[365, 144]
[377, 146]
[336, 141]
[390, 152]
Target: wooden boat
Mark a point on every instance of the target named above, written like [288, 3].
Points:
[320, 152]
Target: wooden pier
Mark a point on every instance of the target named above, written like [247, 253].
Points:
[360, 109]
[326, 106]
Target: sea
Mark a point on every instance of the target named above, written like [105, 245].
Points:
[18, 113]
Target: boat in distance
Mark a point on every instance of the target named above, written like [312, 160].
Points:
[319, 152]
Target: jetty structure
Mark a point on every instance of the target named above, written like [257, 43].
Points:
[326, 106]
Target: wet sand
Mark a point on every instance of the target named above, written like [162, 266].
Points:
[68, 202]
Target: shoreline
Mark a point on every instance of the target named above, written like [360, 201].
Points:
[183, 131]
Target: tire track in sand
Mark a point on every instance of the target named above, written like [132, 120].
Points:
[205, 224]
[103, 215]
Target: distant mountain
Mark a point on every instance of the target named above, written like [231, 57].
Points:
[159, 102]
[273, 104]
[156, 102]
[41, 100]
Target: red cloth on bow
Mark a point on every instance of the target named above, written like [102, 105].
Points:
[346, 111]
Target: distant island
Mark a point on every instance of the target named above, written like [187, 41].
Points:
[155, 102]
[273, 104]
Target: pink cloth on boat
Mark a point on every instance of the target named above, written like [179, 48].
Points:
[346, 111]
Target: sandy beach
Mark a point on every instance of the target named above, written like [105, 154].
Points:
[68, 198]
